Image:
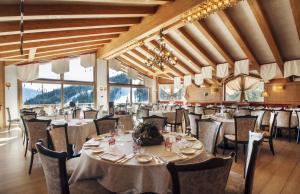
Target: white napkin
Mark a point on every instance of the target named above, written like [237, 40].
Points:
[113, 157]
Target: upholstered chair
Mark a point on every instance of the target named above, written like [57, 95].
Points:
[159, 122]
[207, 132]
[105, 125]
[210, 111]
[284, 122]
[206, 177]
[259, 114]
[243, 112]
[54, 167]
[24, 117]
[265, 122]
[243, 124]
[76, 113]
[298, 117]
[193, 124]
[243, 184]
[37, 130]
[90, 114]
[178, 120]
[187, 121]
[126, 121]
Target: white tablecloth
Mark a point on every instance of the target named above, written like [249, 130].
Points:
[169, 114]
[150, 177]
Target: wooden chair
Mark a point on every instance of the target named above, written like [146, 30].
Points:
[178, 120]
[37, 130]
[105, 125]
[206, 177]
[207, 133]
[76, 113]
[10, 120]
[193, 117]
[298, 117]
[24, 117]
[90, 114]
[159, 122]
[265, 122]
[284, 122]
[243, 184]
[259, 114]
[243, 124]
[210, 111]
[187, 121]
[54, 166]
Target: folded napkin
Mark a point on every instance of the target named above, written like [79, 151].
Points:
[113, 157]
[91, 144]
[174, 157]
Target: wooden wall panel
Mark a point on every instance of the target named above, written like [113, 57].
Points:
[290, 94]
[2, 95]
[204, 95]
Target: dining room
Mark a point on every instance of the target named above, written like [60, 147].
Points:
[149, 96]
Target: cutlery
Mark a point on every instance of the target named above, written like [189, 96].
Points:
[126, 159]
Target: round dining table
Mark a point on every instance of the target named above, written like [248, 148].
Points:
[130, 174]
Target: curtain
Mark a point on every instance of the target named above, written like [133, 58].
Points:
[241, 67]
[148, 82]
[60, 66]
[28, 72]
[187, 80]
[207, 72]
[132, 73]
[222, 70]
[115, 65]
[236, 84]
[292, 68]
[199, 79]
[177, 82]
[268, 71]
[88, 60]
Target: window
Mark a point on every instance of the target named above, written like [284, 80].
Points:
[254, 95]
[119, 77]
[178, 93]
[165, 92]
[119, 94]
[41, 94]
[137, 82]
[140, 95]
[232, 95]
[82, 95]
[79, 73]
[45, 72]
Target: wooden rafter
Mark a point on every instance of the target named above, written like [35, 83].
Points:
[196, 47]
[143, 57]
[182, 51]
[130, 2]
[151, 24]
[131, 65]
[66, 24]
[43, 36]
[36, 11]
[137, 62]
[213, 40]
[295, 5]
[266, 30]
[238, 38]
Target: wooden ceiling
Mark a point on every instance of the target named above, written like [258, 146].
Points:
[259, 30]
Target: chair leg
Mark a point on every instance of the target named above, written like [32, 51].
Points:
[244, 148]
[26, 147]
[31, 161]
[276, 131]
[236, 153]
[24, 139]
[298, 135]
[289, 134]
[271, 146]
[9, 126]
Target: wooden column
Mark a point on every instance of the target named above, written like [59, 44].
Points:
[242, 88]
[2, 96]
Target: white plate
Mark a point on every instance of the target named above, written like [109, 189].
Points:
[143, 158]
[190, 138]
[98, 138]
[188, 151]
[197, 146]
[97, 150]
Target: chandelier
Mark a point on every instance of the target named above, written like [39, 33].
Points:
[206, 8]
[163, 56]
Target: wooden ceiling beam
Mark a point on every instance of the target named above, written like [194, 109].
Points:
[182, 52]
[133, 66]
[137, 62]
[195, 46]
[140, 55]
[59, 11]
[43, 36]
[213, 40]
[52, 43]
[150, 25]
[295, 6]
[65, 24]
[238, 38]
[266, 30]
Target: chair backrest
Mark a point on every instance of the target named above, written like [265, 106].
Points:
[243, 112]
[126, 121]
[76, 113]
[298, 116]
[142, 112]
[186, 117]
[8, 113]
[159, 122]
[54, 167]
[206, 177]
[272, 124]
[193, 124]
[199, 110]
[179, 115]
[59, 138]
[244, 124]
[90, 114]
[37, 130]
[105, 125]
[255, 140]
[207, 133]
[259, 114]
[210, 111]
[266, 117]
[284, 118]
[27, 116]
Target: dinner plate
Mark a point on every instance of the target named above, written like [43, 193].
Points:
[197, 146]
[190, 138]
[97, 150]
[188, 151]
[143, 158]
[98, 138]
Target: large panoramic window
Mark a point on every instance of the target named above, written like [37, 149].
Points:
[140, 95]
[82, 95]
[79, 73]
[255, 94]
[118, 77]
[178, 93]
[119, 94]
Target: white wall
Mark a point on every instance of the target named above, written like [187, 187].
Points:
[153, 90]
[102, 71]
[11, 94]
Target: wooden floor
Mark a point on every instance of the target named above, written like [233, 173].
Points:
[274, 174]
